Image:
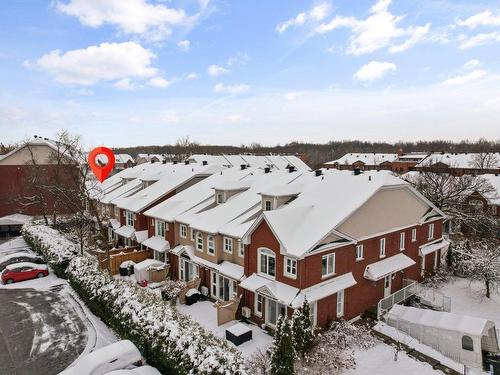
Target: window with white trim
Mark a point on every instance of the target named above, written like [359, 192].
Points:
[220, 198]
[129, 218]
[199, 241]
[312, 313]
[328, 265]
[241, 249]
[340, 303]
[267, 262]
[268, 205]
[382, 247]
[359, 252]
[210, 245]
[259, 303]
[117, 212]
[431, 231]
[413, 234]
[160, 228]
[402, 236]
[228, 245]
[183, 231]
[290, 269]
[192, 234]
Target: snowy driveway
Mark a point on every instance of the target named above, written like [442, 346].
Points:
[40, 332]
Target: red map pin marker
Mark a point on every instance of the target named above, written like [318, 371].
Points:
[101, 172]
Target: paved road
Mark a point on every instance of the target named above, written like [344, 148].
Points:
[40, 332]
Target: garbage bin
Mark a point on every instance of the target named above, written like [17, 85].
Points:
[192, 296]
[127, 268]
[123, 270]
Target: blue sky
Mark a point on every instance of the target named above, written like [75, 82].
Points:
[139, 72]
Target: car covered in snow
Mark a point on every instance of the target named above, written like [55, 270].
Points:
[23, 271]
[143, 370]
[117, 356]
[19, 257]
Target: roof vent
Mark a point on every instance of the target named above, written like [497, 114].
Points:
[204, 162]
[369, 178]
[291, 169]
[243, 166]
[357, 171]
[164, 161]
[186, 162]
[267, 170]
[318, 172]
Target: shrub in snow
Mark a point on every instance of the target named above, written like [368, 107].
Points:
[56, 249]
[283, 353]
[169, 340]
[303, 335]
[172, 288]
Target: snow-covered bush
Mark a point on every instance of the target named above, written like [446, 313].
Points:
[170, 341]
[172, 288]
[55, 248]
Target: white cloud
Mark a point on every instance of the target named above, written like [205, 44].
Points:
[184, 45]
[240, 58]
[124, 84]
[192, 75]
[474, 63]
[317, 13]
[379, 30]
[217, 70]
[374, 70]
[479, 39]
[84, 92]
[159, 82]
[105, 62]
[151, 21]
[465, 78]
[230, 89]
[485, 18]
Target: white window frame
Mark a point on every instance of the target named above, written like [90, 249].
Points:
[210, 249]
[268, 253]
[292, 262]
[241, 249]
[129, 218]
[382, 247]
[270, 205]
[183, 230]
[228, 245]
[413, 234]
[402, 240]
[256, 305]
[430, 233]
[219, 197]
[192, 234]
[360, 252]
[117, 212]
[199, 244]
[340, 303]
[330, 263]
[159, 224]
[313, 313]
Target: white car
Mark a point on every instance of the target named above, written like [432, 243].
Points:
[117, 356]
[143, 370]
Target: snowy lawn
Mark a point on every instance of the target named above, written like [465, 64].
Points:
[205, 314]
[13, 246]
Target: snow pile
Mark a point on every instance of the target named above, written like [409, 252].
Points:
[56, 249]
[175, 342]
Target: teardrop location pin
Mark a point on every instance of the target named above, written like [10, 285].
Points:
[101, 171]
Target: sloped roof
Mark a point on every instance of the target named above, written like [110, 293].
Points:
[494, 181]
[366, 158]
[456, 160]
[15, 219]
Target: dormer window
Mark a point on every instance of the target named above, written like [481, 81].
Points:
[220, 198]
[268, 205]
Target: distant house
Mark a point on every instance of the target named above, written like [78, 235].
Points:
[406, 162]
[148, 158]
[123, 161]
[486, 202]
[363, 161]
[278, 162]
[460, 163]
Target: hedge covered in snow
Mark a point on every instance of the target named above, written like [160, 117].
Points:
[55, 248]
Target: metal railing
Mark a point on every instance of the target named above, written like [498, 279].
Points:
[385, 304]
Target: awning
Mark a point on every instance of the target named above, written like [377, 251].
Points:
[427, 249]
[125, 231]
[115, 224]
[325, 289]
[141, 236]
[157, 243]
[281, 292]
[382, 268]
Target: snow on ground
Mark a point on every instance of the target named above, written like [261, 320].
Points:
[205, 314]
[13, 246]
[380, 360]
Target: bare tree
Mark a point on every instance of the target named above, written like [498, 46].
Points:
[485, 160]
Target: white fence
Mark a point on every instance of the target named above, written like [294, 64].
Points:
[385, 304]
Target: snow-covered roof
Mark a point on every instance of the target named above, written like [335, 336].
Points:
[126, 231]
[39, 141]
[123, 191]
[256, 161]
[494, 181]
[458, 160]
[147, 263]
[115, 224]
[233, 185]
[157, 243]
[14, 266]
[141, 235]
[412, 156]
[15, 219]
[441, 320]
[322, 206]
[281, 292]
[382, 268]
[366, 158]
[123, 158]
[434, 246]
[282, 190]
[173, 179]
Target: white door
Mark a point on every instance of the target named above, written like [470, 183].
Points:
[387, 285]
[340, 303]
[273, 311]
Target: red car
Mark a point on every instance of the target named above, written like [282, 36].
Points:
[23, 271]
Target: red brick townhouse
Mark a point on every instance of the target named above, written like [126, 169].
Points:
[133, 224]
[343, 243]
[209, 236]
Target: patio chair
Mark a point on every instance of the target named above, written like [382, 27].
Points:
[226, 310]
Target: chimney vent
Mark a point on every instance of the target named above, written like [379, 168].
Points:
[318, 172]
[243, 166]
[204, 162]
[267, 170]
[369, 178]
[291, 169]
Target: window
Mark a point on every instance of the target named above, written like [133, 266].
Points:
[431, 231]
[312, 313]
[382, 247]
[476, 205]
[402, 236]
[183, 231]
[199, 242]
[328, 265]
[359, 252]
[130, 218]
[241, 249]
[290, 267]
[159, 256]
[268, 205]
[220, 198]
[160, 228]
[210, 244]
[340, 303]
[413, 234]
[259, 302]
[267, 262]
[192, 234]
[228, 245]
[117, 212]
[467, 343]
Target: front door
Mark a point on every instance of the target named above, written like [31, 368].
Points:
[387, 285]
[273, 311]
